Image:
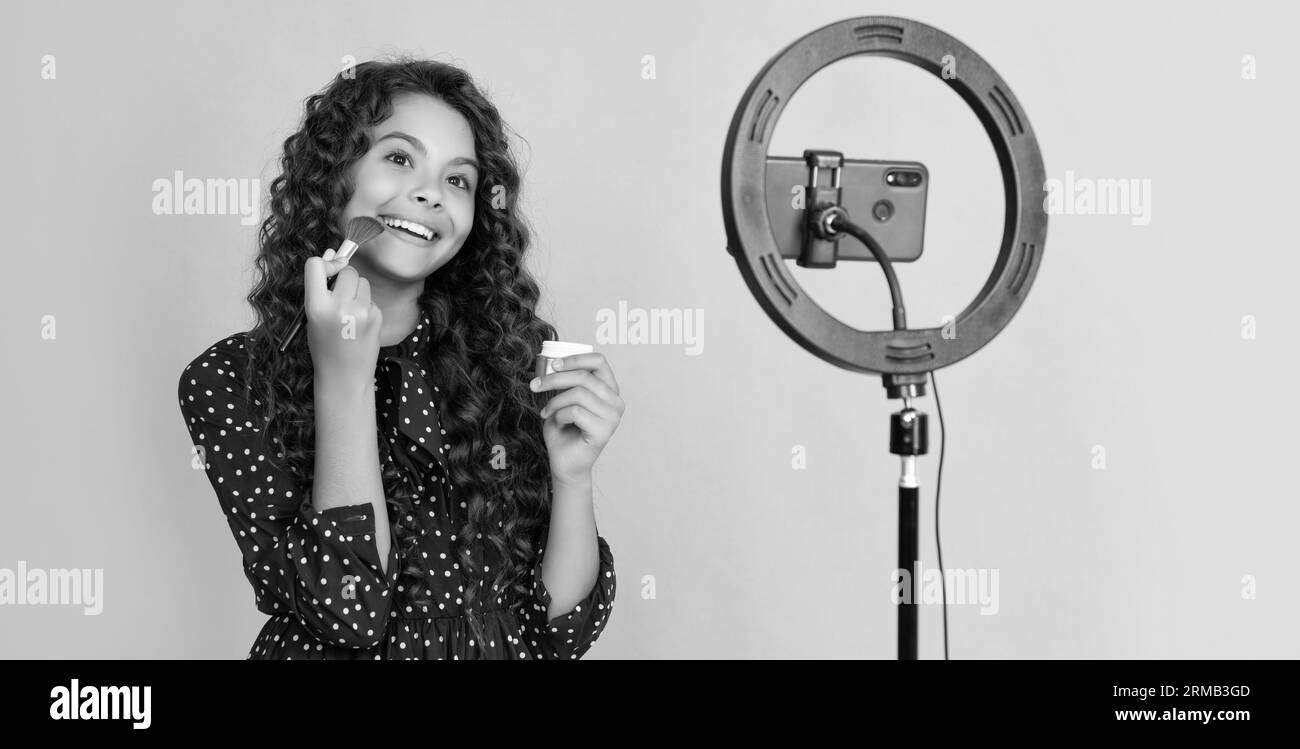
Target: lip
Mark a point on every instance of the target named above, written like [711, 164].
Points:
[423, 222]
[405, 237]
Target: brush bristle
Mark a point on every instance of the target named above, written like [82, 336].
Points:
[362, 229]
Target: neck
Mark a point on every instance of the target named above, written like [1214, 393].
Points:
[397, 301]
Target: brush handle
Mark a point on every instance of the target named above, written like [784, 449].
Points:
[345, 253]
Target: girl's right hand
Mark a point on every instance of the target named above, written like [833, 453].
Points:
[342, 324]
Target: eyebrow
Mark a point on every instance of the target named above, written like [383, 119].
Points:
[415, 143]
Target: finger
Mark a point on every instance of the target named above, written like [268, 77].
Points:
[333, 259]
[580, 396]
[333, 267]
[363, 292]
[333, 262]
[314, 289]
[594, 362]
[345, 286]
[581, 377]
[592, 431]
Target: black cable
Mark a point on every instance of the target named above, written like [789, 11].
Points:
[943, 442]
[839, 223]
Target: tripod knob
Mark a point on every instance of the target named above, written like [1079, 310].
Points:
[909, 433]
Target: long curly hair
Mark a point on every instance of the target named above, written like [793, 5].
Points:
[483, 344]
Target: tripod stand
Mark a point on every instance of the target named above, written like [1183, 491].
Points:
[908, 438]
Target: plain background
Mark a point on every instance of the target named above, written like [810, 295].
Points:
[1131, 338]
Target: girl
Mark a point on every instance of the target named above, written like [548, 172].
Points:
[396, 485]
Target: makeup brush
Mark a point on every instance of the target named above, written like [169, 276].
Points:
[361, 229]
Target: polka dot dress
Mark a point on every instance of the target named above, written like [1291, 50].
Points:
[318, 574]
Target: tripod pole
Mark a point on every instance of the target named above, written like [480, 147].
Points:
[907, 555]
[908, 438]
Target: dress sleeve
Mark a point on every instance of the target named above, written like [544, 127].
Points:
[570, 635]
[322, 567]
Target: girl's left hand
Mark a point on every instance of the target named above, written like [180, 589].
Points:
[579, 421]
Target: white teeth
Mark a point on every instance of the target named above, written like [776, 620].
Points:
[418, 228]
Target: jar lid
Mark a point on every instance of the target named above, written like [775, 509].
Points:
[557, 349]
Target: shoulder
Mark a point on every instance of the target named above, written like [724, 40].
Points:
[220, 365]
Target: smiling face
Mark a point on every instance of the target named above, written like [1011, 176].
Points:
[421, 169]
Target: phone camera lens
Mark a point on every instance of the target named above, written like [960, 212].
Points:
[907, 178]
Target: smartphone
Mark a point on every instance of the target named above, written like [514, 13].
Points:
[887, 198]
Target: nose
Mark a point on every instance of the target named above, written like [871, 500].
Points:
[428, 196]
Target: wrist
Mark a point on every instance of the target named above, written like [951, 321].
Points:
[340, 387]
[579, 482]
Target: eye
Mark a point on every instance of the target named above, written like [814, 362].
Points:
[403, 155]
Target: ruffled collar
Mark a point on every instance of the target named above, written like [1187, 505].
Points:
[406, 402]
